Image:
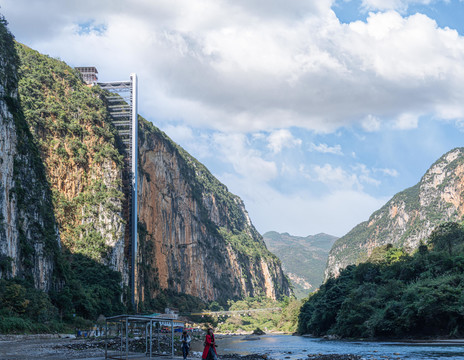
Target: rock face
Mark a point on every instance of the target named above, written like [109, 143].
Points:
[303, 258]
[60, 160]
[70, 125]
[196, 237]
[409, 217]
[29, 240]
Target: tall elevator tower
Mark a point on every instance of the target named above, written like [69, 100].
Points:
[122, 105]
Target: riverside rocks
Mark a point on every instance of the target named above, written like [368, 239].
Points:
[334, 357]
[244, 357]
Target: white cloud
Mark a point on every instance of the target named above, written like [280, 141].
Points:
[326, 149]
[364, 174]
[251, 67]
[257, 65]
[371, 123]
[280, 139]
[389, 172]
[335, 177]
[179, 133]
[406, 122]
[302, 213]
[246, 161]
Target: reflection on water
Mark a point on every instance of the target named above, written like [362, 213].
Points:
[297, 347]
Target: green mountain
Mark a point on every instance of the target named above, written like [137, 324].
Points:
[394, 294]
[303, 258]
[409, 217]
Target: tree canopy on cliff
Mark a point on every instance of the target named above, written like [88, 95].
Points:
[394, 294]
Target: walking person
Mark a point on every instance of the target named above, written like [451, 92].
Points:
[185, 343]
[209, 352]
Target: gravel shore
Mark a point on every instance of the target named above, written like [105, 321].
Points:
[59, 347]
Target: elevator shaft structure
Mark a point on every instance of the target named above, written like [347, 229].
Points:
[122, 106]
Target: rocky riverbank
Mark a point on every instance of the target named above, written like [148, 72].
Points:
[58, 347]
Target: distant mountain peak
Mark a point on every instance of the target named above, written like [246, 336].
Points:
[303, 258]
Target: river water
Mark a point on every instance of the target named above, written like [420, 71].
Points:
[298, 347]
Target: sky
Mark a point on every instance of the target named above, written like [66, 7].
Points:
[314, 112]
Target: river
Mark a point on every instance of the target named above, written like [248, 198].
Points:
[298, 347]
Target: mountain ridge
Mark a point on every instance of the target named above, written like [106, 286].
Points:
[409, 216]
[303, 258]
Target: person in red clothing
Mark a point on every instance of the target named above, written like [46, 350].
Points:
[209, 351]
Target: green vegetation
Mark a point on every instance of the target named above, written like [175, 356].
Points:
[420, 208]
[244, 244]
[284, 320]
[35, 223]
[395, 294]
[63, 140]
[185, 303]
[69, 123]
[88, 290]
[25, 309]
[303, 258]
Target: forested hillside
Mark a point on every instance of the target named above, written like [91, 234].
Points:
[409, 217]
[395, 294]
[303, 258]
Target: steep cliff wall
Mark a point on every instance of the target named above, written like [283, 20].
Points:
[196, 237]
[409, 217]
[29, 241]
[77, 144]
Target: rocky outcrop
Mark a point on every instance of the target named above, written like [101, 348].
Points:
[29, 240]
[77, 145]
[409, 217]
[196, 238]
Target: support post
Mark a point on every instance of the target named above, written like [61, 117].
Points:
[151, 338]
[134, 220]
[146, 339]
[172, 337]
[127, 339]
[106, 340]
[121, 348]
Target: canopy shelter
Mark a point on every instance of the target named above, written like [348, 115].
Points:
[129, 335]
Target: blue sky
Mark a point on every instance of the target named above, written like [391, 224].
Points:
[314, 112]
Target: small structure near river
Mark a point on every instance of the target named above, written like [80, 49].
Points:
[151, 335]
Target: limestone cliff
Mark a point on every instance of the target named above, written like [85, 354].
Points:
[29, 240]
[77, 144]
[197, 238]
[409, 217]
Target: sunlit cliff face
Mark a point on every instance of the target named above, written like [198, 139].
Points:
[409, 217]
[182, 245]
